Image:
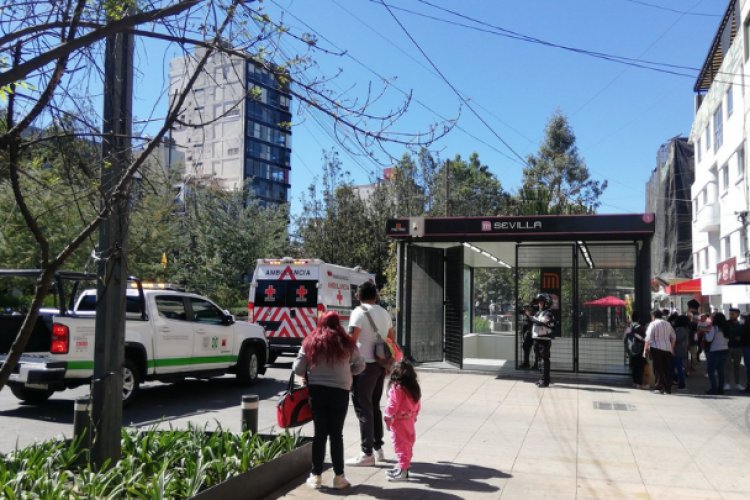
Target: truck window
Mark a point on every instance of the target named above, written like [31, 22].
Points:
[206, 312]
[171, 307]
[302, 293]
[88, 303]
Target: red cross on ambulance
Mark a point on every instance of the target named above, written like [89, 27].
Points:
[270, 293]
[301, 293]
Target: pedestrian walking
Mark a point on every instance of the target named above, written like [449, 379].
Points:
[718, 339]
[543, 323]
[328, 359]
[401, 413]
[367, 389]
[659, 344]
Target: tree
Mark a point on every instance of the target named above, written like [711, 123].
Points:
[557, 176]
[53, 66]
[471, 189]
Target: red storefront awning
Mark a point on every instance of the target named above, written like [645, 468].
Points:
[687, 287]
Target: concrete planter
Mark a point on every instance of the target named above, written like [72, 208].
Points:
[265, 479]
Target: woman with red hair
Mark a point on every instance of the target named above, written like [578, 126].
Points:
[328, 360]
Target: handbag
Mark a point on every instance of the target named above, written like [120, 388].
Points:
[293, 408]
[383, 352]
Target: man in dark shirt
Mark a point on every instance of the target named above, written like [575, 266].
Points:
[745, 344]
[735, 350]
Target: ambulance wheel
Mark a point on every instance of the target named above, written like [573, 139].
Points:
[31, 396]
[131, 382]
[248, 366]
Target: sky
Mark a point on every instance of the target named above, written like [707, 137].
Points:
[502, 90]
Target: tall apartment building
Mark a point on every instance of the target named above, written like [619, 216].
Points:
[235, 125]
[719, 133]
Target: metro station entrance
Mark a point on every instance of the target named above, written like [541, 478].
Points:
[596, 268]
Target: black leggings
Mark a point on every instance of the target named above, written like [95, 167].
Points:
[329, 406]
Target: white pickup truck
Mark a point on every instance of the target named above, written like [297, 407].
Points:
[169, 335]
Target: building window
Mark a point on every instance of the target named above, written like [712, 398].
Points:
[718, 129]
[740, 163]
[697, 262]
[730, 101]
[698, 150]
[705, 258]
[724, 173]
[233, 151]
[708, 138]
[233, 112]
[725, 245]
[695, 208]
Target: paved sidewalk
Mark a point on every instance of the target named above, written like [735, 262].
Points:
[483, 437]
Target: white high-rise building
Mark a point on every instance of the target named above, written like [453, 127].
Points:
[235, 125]
[720, 195]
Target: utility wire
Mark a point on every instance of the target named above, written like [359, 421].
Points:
[452, 87]
[405, 93]
[668, 9]
[506, 33]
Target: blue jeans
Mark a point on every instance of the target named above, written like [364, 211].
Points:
[716, 362]
[678, 369]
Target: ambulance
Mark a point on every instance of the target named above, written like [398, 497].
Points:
[287, 295]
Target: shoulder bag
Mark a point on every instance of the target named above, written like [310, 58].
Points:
[293, 408]
[383, 355]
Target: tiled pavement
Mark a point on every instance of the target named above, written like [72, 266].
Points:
[484, 437]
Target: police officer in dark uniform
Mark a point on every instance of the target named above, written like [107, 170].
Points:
[543, 324]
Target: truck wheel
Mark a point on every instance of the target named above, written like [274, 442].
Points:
[31, 396]
[247, 366]
[131, 382]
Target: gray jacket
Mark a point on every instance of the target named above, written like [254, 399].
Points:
[336, 374]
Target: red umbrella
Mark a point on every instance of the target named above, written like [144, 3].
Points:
[608, 301]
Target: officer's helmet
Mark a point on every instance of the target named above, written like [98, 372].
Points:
[545, 299]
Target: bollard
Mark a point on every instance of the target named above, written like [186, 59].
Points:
[250, 405]
[82, 423]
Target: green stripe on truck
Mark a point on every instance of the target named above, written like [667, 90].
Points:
[89, 365]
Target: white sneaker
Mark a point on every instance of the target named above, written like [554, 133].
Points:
[314, 481]
[399, 475]
[727, 387]
[379, 455]
[361, 460]
[340, 482]
[739, 387]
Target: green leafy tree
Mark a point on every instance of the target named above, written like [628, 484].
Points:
[558, 176]
[472, 189]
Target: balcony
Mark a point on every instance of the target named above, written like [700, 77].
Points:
[708, 218]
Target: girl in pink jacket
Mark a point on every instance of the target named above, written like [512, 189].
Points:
[400, 415]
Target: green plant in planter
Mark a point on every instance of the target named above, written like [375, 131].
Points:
[155, 464]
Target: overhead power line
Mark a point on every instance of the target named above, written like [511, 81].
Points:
[496, 30]
[669, 9]
[452, 87]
